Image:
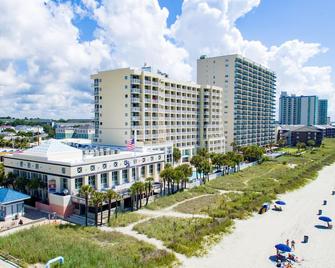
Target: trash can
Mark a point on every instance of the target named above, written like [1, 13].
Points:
[305, 239]
[320, 212]
[324, 202]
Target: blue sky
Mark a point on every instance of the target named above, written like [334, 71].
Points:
[275, 21]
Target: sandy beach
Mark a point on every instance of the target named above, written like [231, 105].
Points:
[252, 241]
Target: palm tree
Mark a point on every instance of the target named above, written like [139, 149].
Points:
[167, 176]
[148, 188]
[140, 189]
[97, 200]
[133, 192]
[117, 199]
[196, 162]
[111, 195]
[176, 155]
[86, 191]
[186, 171]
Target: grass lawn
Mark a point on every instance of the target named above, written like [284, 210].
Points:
[83, 247]
[124, 219]
[166, 201]
[261, 183]
[191, 236]
[290, 150]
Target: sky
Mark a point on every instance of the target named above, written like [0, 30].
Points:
[49, 48]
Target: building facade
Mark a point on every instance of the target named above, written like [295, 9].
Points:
[293, 134]
[80, 132]
[64, 169]
[248, 97]
[155, 109]
[300, 110]
[323, 112]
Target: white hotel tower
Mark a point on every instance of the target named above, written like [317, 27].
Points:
[156, 110]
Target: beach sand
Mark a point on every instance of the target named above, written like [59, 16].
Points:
[252, 241]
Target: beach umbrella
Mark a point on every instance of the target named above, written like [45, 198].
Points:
[283, 247]
[279, 202]
[325, 219]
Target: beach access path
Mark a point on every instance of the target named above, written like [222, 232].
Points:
[251, 244]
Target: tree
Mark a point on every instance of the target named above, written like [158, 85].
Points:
[281, 142]
[111, 195]
[253, 152]
[133, 192]
[97, 198]
[148, 188]
[2, 174]
[234, 146]
[300, 145]
[186, 171]
[311, 143]
[86, 191]
[196, 162]
[167, 176]
[202, 152]
[176, 155]
[206, 169]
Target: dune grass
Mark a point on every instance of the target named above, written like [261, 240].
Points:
[124, 219]
[169, 200]
[83, 247]
[191, 236]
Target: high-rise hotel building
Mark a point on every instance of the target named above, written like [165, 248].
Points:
[155, 109]
[302, 110]
[248, 97]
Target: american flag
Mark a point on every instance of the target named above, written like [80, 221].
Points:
[131, 144]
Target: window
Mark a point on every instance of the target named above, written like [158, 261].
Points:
[79, 170]
[91, 180]
[37, 166]
[151, 169]
[21, 164]
[125, 175]
[63, 170]
[104, 183]
[92, 168]
[133, 174]
[29, 165]
[143, 159]
[78, 183]
[104, 166]
[115, 178]
[151, 158]
[64, 181]
[159, 167]
[143, 171]
[115, 164]
[126, 77]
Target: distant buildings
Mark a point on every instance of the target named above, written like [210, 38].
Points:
[328, 131]
[323, 112]
[32, 129]
[248, 97]
[154, 109]
[293, 134]
[75, 132]
[302, 110]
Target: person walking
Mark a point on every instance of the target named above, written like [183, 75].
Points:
[288, 242]
[293, 244]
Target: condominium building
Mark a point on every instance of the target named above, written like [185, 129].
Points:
[300, 110]
[154, 109]
[63, 169]
[323, 112]
[248, 97]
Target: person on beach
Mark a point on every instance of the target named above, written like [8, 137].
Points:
[288, 242]
[293, 244]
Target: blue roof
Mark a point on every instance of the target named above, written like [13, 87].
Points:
[10, 196]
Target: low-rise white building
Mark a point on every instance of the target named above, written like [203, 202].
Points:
[64, 169]
[33, 129]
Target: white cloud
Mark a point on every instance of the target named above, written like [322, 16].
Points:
[45, 68]
[208, 27]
